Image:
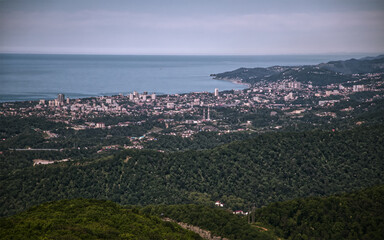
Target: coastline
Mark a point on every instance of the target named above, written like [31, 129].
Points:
[84, 96]
[158, 74]
[233, 80]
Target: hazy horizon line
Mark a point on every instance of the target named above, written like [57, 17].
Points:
[192, 54]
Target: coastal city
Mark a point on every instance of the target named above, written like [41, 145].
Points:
[222, 112]
[192, 120]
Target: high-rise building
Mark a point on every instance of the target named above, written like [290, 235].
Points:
[60, 98]
[216, 92]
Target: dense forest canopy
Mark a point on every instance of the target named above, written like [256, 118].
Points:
[88, 219]
[355, 215]
[267, 168]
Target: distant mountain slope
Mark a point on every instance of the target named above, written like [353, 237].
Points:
[88, 219]
[358, 215]
[364, 65]
[372, 58]
[248, 75]
[321, 74]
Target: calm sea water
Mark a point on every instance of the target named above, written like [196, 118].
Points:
[33, 77]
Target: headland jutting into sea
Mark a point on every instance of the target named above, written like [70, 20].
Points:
[296, 91]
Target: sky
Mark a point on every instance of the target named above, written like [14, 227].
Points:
[194, 27]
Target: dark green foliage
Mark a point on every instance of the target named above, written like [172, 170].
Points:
[271, 167]
[219, 221]
[15, 125]
[88, 219]
[201, 140]
[16, 160]
[25, 139]
[358, 215]
[20, 132]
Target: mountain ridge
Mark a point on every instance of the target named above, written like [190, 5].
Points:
[337, 71]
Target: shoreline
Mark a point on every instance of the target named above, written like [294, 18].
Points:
[32, 94]
[234, 81]
[78, 96]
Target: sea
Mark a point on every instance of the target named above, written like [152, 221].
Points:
[42, 76]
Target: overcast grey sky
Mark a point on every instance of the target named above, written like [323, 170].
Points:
[192, 27]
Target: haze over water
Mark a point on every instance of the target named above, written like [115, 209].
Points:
[33, 77]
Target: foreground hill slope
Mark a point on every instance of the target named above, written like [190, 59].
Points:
[268, 168]
[357, 215]
[219, 221]
[88, 219]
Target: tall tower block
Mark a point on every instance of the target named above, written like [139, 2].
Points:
[61, 98]
[216, 92]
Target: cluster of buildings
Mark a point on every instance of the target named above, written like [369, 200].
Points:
[187, 114]
[59, 101]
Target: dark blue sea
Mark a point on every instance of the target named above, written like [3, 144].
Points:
[34, 76]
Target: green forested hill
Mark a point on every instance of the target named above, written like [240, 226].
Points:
[217, 220]
[358, 215]
[268, 168]
[88, 219]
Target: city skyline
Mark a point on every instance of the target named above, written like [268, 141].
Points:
[192, 28]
